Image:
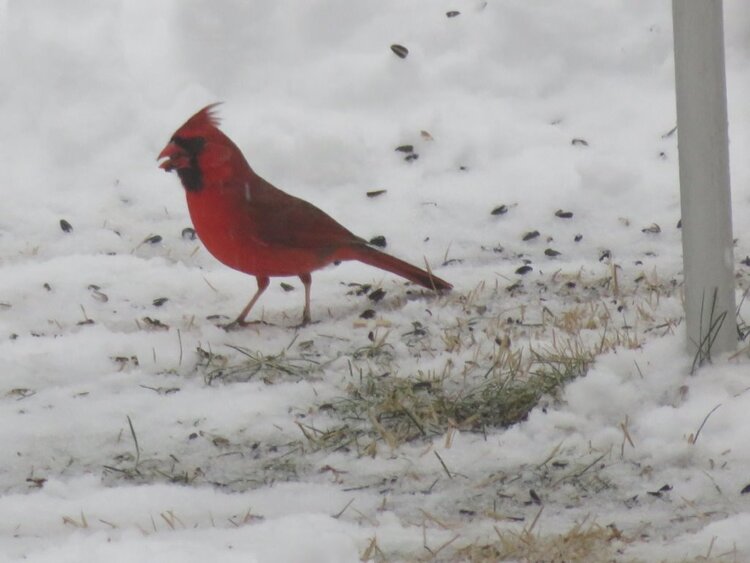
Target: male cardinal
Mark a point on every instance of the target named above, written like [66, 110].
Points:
[252, 226]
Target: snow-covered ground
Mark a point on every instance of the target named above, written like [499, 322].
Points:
[492, 99]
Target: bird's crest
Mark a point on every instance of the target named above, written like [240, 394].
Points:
[205, 118]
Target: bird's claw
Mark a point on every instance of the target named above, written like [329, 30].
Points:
[239, 325]
[234, 325]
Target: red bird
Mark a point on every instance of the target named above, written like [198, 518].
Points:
[252, 226]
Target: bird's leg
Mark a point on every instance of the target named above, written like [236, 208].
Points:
[307, 282]
[240, 322]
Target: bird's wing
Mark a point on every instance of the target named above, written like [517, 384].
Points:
[280, 219]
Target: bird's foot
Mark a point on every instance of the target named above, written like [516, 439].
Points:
[304, 323]
[237, 324]
[306, 319]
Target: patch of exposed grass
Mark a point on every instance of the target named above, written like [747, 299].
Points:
[584, 543]
[224, 464]
[486, 382]
[169, 470]
[269, 367]
[398, 410]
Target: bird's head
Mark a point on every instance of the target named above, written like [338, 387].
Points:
[186, 147]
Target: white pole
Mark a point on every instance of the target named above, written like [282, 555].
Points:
[704, 176]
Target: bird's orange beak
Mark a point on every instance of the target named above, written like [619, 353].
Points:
[172, 153]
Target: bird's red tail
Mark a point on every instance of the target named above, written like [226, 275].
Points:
[391, 264]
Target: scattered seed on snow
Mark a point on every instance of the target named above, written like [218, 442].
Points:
[188, 233]
[378, 241]
[376, 295]
[524, 270]
[376, 193]
[125, 361]
[652, 229]
[579, 143]
[499, 210]
[551, 252]
[563, 214]
[661, 491]
[405, 148]
[358, 288]
[399, 50]
[286, 287]
[65, 226]
[530, 235]
[367, 314]
[154, 324]
[453, 13]
[217, 317]
[152, 239]
[496, 249]
[97, 294]
[514, 286]
[20, 392]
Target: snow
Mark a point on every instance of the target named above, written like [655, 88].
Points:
[89, 94]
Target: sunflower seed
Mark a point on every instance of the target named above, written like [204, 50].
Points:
[378, 241]
[376, 295]
[524, 270]
[399, 50]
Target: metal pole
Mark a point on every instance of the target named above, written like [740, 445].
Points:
[704, 176]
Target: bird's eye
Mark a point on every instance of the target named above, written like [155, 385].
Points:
[192, 145]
